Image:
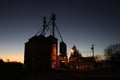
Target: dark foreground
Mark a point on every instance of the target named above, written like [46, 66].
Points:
[105, 74]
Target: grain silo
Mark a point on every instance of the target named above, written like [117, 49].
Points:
[41, 51]
[63, 49]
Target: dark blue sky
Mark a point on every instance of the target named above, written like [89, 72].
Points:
[81, 23]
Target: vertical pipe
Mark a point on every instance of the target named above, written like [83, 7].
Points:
[53, 24]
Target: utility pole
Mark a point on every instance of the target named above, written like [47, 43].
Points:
[92, 48]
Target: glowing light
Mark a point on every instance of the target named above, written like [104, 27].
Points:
[72, 51]
[54, 54]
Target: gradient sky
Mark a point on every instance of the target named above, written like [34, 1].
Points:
[81, 23]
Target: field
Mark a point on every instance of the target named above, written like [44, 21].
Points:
[106, 74]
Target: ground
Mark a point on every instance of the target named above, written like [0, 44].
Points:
[62, 75]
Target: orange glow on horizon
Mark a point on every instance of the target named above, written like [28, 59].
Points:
[12, 58]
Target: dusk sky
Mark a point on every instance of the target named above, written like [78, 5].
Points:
[81, 23]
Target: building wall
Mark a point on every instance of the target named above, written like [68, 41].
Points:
[81, 63]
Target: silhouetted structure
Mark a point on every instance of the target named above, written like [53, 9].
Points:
[81, 63]
[92, 48]
[62, 60]
[77, 62]
[41, 51]
[63, 49]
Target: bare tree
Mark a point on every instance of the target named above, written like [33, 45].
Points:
[114, 52]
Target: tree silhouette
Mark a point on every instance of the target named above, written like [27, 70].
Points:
[75, 52]
[114, 52]
[1, 61]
